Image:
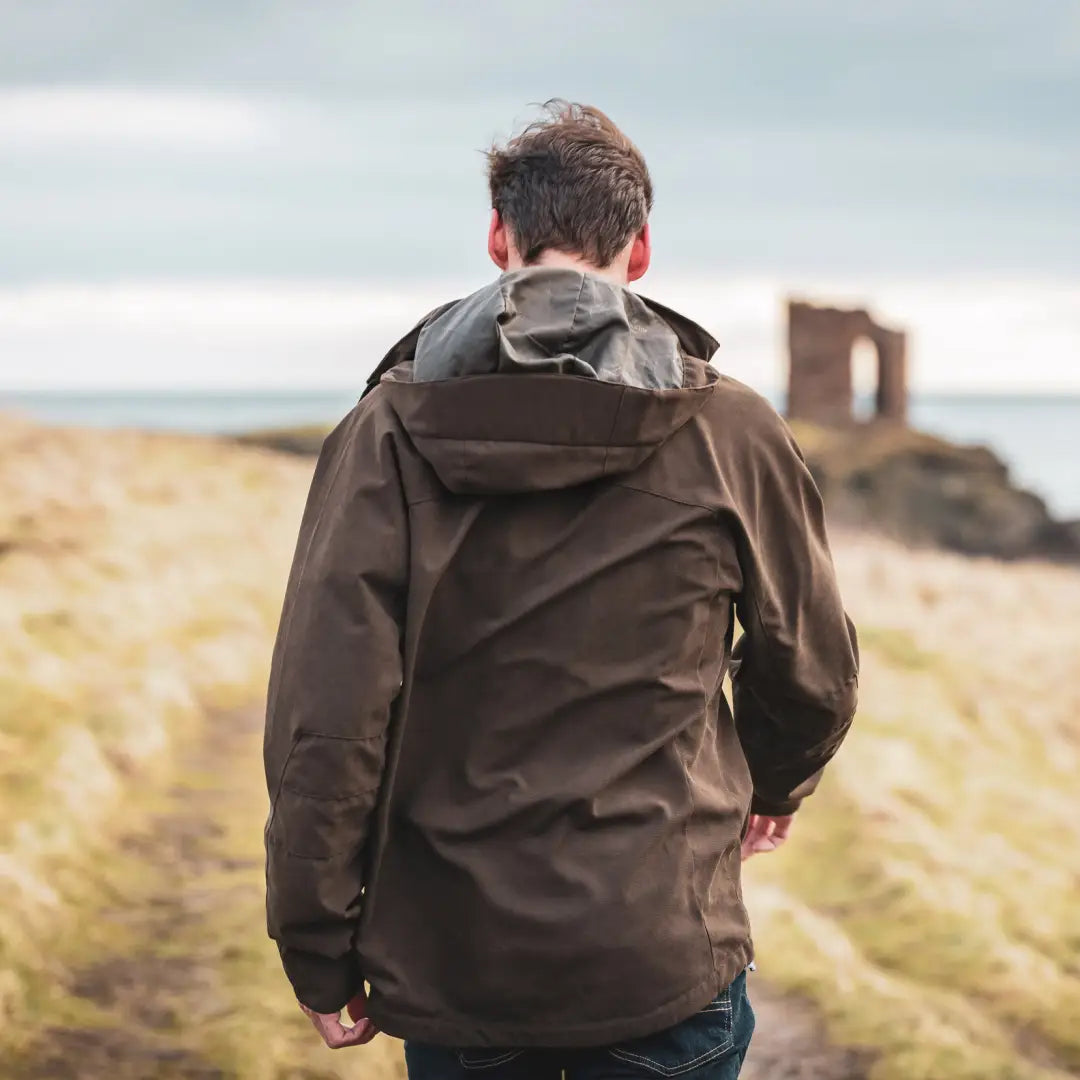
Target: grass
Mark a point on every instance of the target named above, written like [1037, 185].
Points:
[169, 955]
[927, 898]
[299, 439]
[141, 581]
[926, 901]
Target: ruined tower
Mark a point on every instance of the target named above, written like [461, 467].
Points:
[820, 385]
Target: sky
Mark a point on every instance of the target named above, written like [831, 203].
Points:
[269, 193]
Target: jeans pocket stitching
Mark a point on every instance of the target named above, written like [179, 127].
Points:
[673, 1070]
[490, 1063]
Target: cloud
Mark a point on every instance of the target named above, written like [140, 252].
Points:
[100, 116]
[226, 307]
[967, 334]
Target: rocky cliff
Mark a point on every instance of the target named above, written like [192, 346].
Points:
[925, 491]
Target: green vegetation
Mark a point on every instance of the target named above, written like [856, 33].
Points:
[168, 952]
[141, 580]
[303, 439]
[926, 900]
[140, 586]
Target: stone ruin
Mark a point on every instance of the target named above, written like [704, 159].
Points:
[820, 383]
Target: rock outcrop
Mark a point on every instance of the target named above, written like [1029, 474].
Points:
[926, 491]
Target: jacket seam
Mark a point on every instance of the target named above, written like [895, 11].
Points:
[614, 421]
[690, 783]
[577, 444]
[302, 571]
[319, 858]
[573, 318]
[694, 871]
[668, 498]
[281, 783]
[592, 380]
[328, 798]
[306, 733]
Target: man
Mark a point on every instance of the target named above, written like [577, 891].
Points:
[507, 790]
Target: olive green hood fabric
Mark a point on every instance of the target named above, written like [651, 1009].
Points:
[591, 349]
[555, 321]
[507, 789]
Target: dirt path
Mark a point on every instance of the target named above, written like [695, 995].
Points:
[142, 1005]
[789, 1042]
[179, 981]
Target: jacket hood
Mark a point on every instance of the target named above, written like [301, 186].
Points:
[547, 378]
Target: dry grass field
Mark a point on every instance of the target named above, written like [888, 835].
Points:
[928, 897]
[926, 902]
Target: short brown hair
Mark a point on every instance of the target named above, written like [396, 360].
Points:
[573, 182]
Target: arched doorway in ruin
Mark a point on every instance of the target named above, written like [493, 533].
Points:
[844, 366]
[865, 379]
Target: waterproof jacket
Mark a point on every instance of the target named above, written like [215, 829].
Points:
[507, 788]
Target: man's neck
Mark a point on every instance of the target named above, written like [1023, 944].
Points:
[613, 273]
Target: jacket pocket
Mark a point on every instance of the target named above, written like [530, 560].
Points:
[700, 1040]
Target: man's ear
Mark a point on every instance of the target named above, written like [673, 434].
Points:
[640, 254]
[498, 241]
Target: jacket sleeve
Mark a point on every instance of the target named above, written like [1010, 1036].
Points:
[795, 669]
[335, 674]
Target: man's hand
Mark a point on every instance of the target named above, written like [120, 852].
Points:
[765, 834]
[335, 1034]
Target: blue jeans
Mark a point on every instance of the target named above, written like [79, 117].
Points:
[710, 1045]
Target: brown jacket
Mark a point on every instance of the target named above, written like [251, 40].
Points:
[507, 790]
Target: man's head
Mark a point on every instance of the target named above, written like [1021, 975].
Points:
[570, 190]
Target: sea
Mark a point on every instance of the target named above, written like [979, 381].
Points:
[1038, 436]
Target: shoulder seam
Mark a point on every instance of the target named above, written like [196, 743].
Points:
[669, 498]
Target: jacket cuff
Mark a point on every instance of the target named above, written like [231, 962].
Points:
[773, 808]
[323, 984]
